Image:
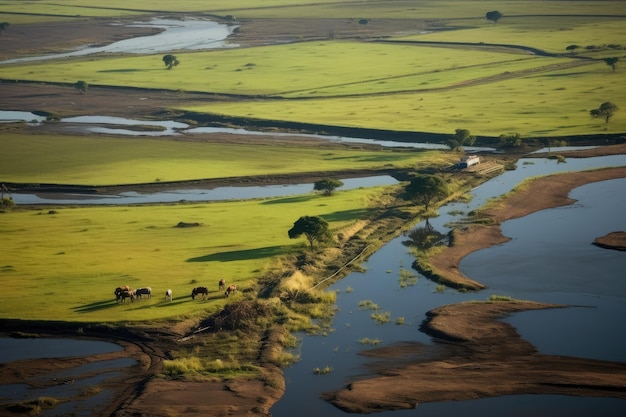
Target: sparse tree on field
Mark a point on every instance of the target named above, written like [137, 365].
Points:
[571, 48]
[327, 185]
[461, 137]
[425, 189]
[611, 62]
[605, 111]
[493, 16]
[170, 61]
[314, 228]
[81, 86]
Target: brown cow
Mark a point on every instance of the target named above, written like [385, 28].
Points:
[222, 285]
[119, 290]
[199, 290]
[231, 288]
[123, 295]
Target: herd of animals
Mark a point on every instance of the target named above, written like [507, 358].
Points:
[124, 292]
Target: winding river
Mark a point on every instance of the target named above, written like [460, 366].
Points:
[550, 259]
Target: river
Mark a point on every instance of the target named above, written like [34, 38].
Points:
[550, 259]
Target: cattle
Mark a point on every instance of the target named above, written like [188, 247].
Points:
[143, 291]
[119, 290]
[123, 295]
[231, 289]
[168, 295]
[222, 285]
[199, 290]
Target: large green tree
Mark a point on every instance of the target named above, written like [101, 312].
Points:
[170, 61]
[461, 137]
[605, 111]
[327, 185]
[314, 228]
[425, 189]
[493, 16]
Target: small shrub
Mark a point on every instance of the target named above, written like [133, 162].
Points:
[495, 297]
[368, 341]
[382, 318]
[368, 305]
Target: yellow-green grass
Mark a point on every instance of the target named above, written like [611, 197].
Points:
[545, 104]
[319, 68]
[65, 264]
[106, 161]
[356, 9]
[18, 12]
[548, 33]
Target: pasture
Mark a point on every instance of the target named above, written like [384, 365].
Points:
[83, 160]
[64, 263]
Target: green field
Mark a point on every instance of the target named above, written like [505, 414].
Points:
[64, 262]
[84, 160]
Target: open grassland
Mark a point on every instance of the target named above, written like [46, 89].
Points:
[371, 9]
[548, 33]
[401, 86]
[311, 69]
[555, 103]
[84, 160]
[64, 264]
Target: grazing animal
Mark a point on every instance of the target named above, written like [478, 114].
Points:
[123, 295]
[222, 285]
[119, 290]
[231, 288]
[168, 295]
[199, 290]
[143, 291]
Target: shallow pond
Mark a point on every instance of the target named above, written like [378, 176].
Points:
[545, 242]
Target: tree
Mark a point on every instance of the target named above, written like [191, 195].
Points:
[81, 86]
[572, 48]
[327, 185]
[313, 227]
[493, 16]
[513, 140]
[425, 189]
[605, 111]
[4, 26]
[170, 61]
[461, 137]
[611, 62]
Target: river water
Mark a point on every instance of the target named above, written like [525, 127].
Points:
[550, 259]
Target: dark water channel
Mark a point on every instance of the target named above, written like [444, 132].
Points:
[70, 384]
[550, 259]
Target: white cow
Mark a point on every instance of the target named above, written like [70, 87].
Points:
[168, 295]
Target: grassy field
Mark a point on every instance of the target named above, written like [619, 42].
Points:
[405, 86]
[83, 160]
[65, 264]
